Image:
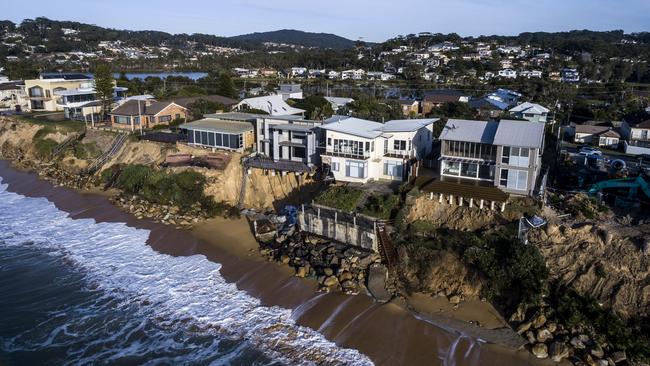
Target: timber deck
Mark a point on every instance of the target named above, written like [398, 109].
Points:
[462, 188]
[282, 165]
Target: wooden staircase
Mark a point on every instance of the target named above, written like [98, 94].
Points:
[387, 250]
[68, 142]
[116, 146]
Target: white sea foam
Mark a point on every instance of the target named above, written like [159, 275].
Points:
[116, 259]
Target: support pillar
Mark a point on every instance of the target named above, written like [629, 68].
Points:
[440, 198]
[471, 202]
[451, 199]
[460, 201]
[503, 206]
[492, 205]
[431, 195]
[481, 204]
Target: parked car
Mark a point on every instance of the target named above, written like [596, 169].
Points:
[588, 150]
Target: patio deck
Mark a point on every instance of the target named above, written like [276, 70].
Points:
[465, 188]
[282, 165]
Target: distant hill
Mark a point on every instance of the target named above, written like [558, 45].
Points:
[307, 39]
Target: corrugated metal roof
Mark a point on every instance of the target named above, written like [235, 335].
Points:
[408, 125]
[469, 130]
[218, 125]
[519, 133]
[354, 126]
[528, 107]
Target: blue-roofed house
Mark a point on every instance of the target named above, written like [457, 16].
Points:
[358, 150]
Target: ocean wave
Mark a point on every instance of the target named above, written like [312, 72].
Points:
[178, 291]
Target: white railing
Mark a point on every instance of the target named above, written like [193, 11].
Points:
[348, 153]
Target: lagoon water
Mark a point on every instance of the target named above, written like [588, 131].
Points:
[162, 75]
[77, 292]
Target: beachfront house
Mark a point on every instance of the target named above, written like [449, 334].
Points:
[74, 94]
[358, 150]
[215, 133]
[137, 114]
[531, 112]
[505, 154]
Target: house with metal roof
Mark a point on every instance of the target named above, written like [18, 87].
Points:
[601, 135]
[273, 105]
[531, 112]
[221, 134]
[504, 154]
[358, 150]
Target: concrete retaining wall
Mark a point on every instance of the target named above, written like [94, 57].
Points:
[338, 226]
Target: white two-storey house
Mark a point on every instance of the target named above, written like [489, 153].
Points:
[358, 150]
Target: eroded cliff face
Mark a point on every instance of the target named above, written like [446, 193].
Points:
[264, 190]
[606, 260]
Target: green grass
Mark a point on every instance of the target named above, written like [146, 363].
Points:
[381, 207]
[44, 147]
[86, 151]
[62, 126]
[342, 198]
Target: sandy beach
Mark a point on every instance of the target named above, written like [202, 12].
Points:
[389, 334]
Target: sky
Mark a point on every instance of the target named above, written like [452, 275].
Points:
[370, 20]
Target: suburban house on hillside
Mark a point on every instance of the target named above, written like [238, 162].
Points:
[604, 136]
[221, 134]
[505, 154]
[637, 133]
[409, 107]
[531, 112]
[437, 98]
[358, 150]
[13, 96]
[274, 105]
[74, 94]
[143, 114]
[289, 91]
[338, 102]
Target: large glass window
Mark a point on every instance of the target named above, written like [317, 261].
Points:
[470, 150]
[211, 139]
[162, 119]
[515, 179]
[451, 168]
[218, 139]
[485, 172]
[469, 170]
[350, 147]
[298, 152]
[393, 169]
[355, 169]
[234, 141]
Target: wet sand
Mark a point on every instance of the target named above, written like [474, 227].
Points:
[388, 334]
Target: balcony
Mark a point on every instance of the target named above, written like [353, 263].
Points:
[347, 153]
[402, 154]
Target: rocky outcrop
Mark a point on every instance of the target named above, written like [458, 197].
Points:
[335, 266]
[164, 214]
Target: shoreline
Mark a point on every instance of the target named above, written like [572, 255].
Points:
[389, 334]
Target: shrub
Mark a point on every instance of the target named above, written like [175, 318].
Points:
[44, 147]
[133, 178]
[380, 206]
[343, 198]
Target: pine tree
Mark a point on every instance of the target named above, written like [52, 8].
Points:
[104, 86]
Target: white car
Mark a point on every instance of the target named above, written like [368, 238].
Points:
[590, 151]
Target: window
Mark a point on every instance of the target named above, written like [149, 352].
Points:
[204, 138]
[350, 147]
[211, 139]
[355, 169]
[335, 166]
[178, 116]
[485, 172]
[469, 170]
[136, 120]
[190, 136]
[451, 168]
[393, 169]
[234, 141]
[123, 120]
[299, 152]
[514, 179]
[505, 156]
[504, 178]
[162, 119]
[399, 145]
[36, 92]
[329, 141]
[218, 139]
